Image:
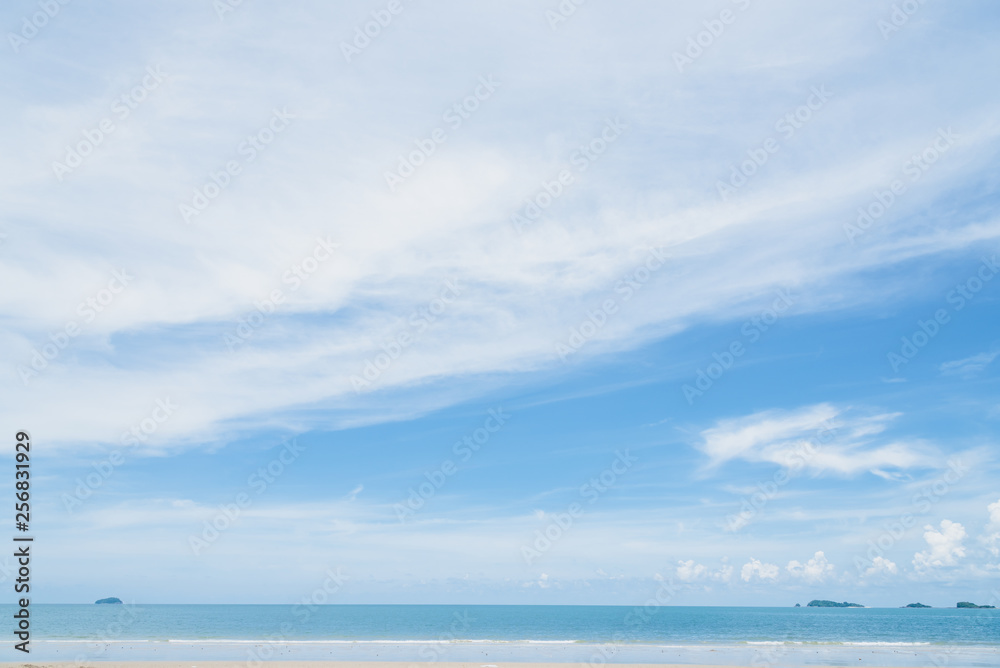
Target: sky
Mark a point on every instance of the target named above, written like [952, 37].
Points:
[521, 302]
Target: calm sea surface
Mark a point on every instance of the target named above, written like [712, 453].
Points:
[591, 624]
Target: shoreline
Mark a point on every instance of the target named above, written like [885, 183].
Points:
[402, 664]
[278, 654]
[346, 664]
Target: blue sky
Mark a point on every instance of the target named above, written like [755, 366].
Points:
[495, 276]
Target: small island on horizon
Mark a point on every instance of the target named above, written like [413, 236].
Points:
[916, 605]
[111, 599]
[832, 604]
[966, 604]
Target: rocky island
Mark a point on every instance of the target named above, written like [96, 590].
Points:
[966, 604]
[108, 600]
[832, 604]
[916, 605]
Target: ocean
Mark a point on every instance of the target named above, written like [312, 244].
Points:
[594, 634]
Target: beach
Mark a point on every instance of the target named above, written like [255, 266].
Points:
[322, 664]
[359, 664]
[486, 654]
[407, 664]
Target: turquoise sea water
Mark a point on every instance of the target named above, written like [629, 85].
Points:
[525, 633]
[593, 624]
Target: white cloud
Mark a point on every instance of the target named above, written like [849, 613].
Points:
[992, 539]
[815, 570]
[816, 438]
[762, 571]
[969, 366]
[688, 571]
[881, 566]
[945, 547]
[450, 220]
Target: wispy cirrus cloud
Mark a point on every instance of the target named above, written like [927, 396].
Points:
[655, 187]
[969, 366]
[815, 438]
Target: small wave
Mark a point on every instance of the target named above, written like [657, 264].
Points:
[284, 641]
[427, 641]
[885, 644]
[835, 643]
[102, 641]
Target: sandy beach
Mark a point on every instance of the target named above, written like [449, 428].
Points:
[485, 654]
[352, 664]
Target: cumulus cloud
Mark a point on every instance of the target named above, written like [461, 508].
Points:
[688, 571]
[724, 574]
[881, 566]
[994, 510]
[817, 438]
[763, 572]
[814, 570]
[944, 547]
